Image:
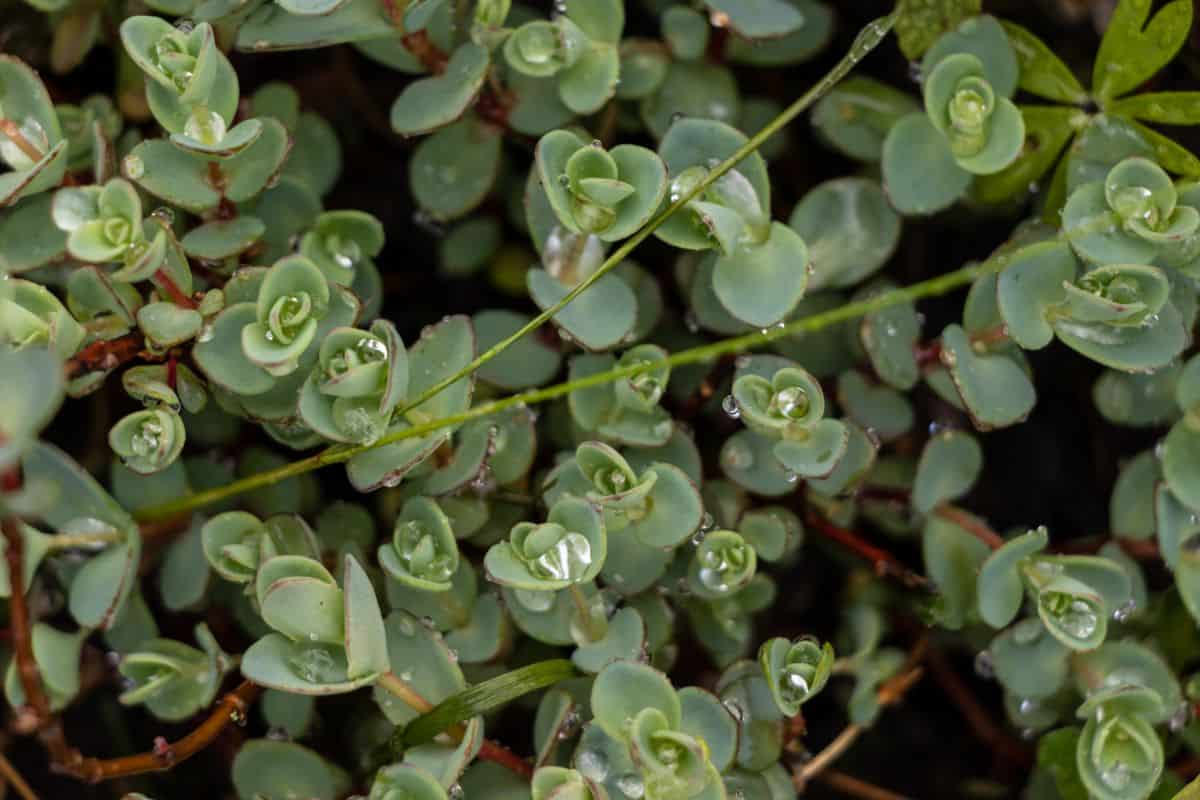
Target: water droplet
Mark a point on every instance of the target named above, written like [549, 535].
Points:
[631, 786]
[135, 168]
[593, 765]
[734, 708]
[565, 560]
[456, 792]
[1117, 776]
[984, 667]
[1181, 718]
[730, 406]
[314, 664]
[206, 127]
[165, 214]
[1123, 612]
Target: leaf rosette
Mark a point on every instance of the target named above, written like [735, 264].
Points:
[293, 297]
[567, 549]
[1133, 216]
[795, 671]
[359, 379]
[148, 441]
[423, 553]
[609, 193]
[235, 543]
[327, 639]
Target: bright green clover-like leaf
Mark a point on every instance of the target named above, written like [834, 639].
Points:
[293, 297]
[592, 190]
[423, 552]
[567, 549]
[174, 680]
[722, 564]
[38, 158]
[148, 441]
[921, 22]
[1041, 71]
[235, 543]
[1133, 49]
[1132, 217]
[796, 671]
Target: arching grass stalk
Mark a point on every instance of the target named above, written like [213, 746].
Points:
[866, 41]
[337, 454]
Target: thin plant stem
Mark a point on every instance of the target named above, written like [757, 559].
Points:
[405, 693]
[593, 627]
[12, 131]
[971, 524]
[66, 541]
[978, 719]
[856, 787]
[338, 454]
[14, 779]
[867, 40]
[891, 692]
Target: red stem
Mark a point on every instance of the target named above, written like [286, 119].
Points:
[977, 718]
[491, 751]
[884, 563]
[105, 354]
[177, 295]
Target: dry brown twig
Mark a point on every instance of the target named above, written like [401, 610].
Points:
[890, 693]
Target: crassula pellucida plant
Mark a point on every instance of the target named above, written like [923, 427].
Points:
[354, 440]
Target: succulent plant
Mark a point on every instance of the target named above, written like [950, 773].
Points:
[613, 433]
